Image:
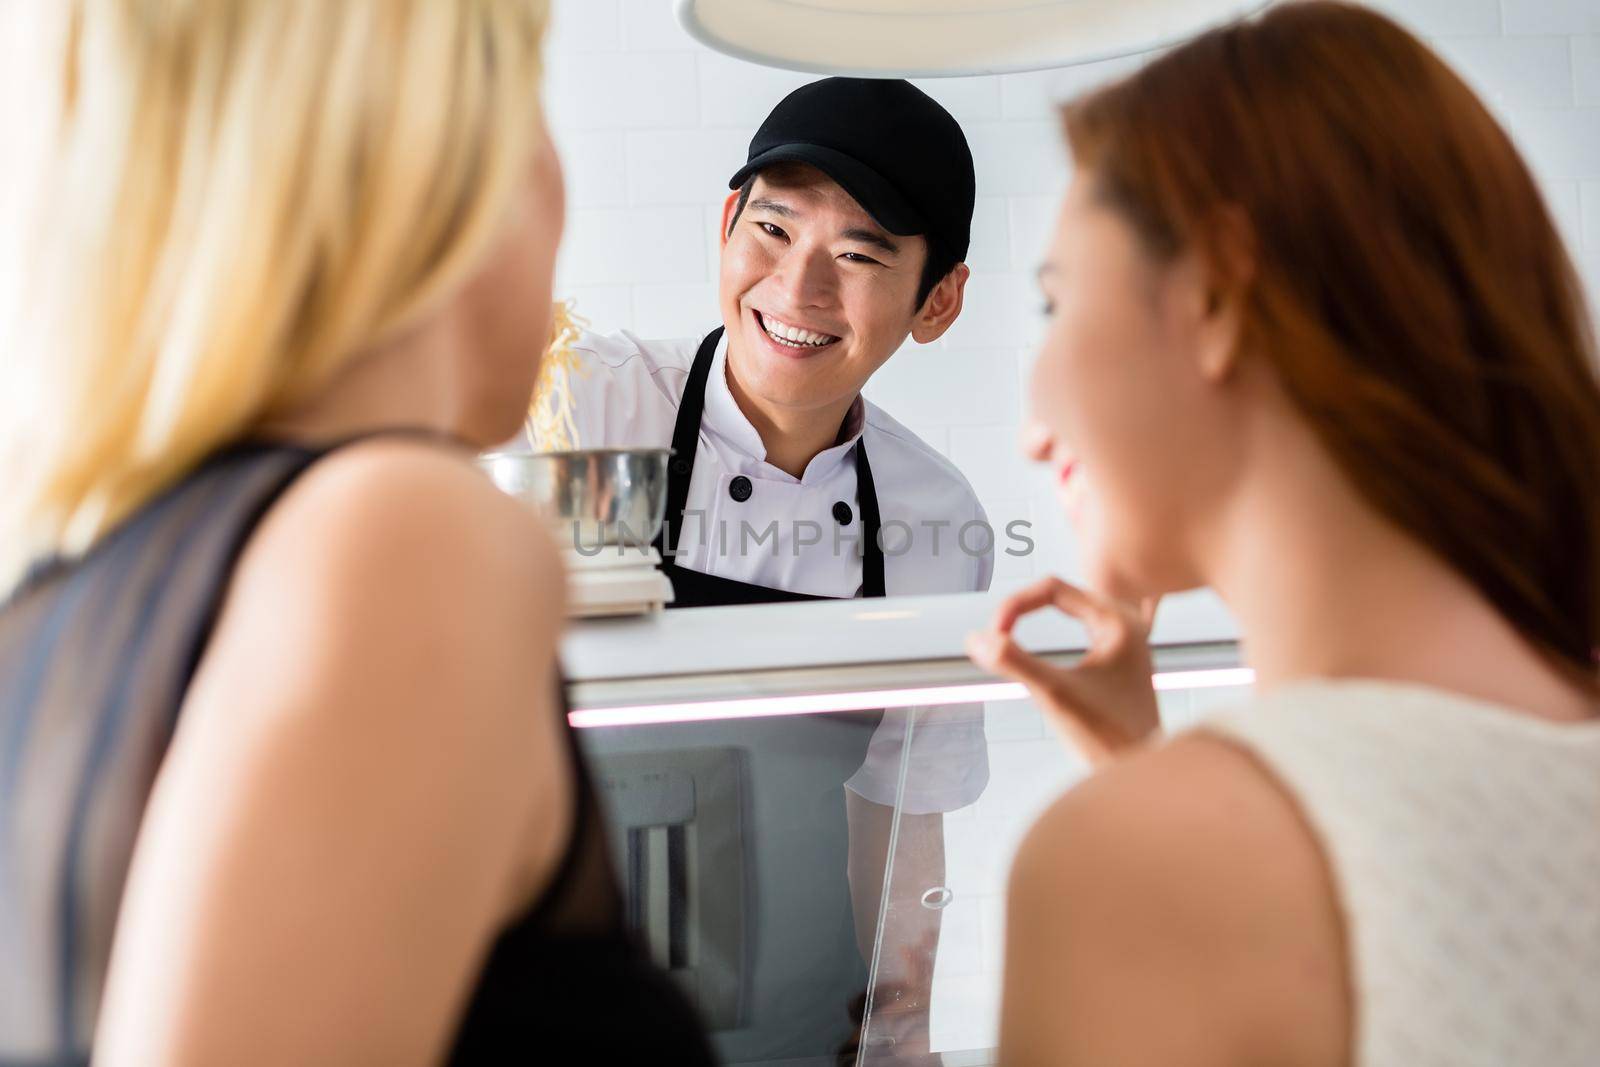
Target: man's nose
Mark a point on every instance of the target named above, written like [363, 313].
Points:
[808, 277]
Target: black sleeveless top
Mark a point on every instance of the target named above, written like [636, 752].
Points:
[95, 658]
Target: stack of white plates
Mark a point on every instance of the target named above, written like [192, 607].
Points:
[615, 580]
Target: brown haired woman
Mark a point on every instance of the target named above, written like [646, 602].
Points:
[1315, 342]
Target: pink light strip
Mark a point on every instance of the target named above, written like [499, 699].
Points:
[1209, 679]
[813, 703]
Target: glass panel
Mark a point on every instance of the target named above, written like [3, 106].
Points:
[753, 872]
[944, 916]
[829, 888]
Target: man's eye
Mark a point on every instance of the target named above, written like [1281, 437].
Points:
[770, 230]
[1048, 309]
[857, 257]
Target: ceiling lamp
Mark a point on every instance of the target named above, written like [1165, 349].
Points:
[945, 38]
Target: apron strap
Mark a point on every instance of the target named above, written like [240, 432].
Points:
[686, 443]
[680, 470]
[867, 499]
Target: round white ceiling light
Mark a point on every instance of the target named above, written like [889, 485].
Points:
[945, 38]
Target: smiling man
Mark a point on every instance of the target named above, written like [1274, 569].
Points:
[844, 237]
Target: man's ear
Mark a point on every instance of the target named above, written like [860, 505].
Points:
[729, 206]
[941, 307]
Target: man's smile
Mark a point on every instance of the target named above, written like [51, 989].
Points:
[791, 338]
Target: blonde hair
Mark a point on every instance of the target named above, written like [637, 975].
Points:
[217, 203]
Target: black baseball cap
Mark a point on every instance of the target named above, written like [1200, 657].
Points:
[887, 143]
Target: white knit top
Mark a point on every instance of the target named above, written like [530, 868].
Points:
[1464, 841]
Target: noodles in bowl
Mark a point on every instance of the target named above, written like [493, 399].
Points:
[597, 496]
[550, 424]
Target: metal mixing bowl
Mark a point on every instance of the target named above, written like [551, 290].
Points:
[596, 496]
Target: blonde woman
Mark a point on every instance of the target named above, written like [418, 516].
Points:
[284, 768]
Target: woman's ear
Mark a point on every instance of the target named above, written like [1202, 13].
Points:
[942, 306]
[1219, 333]
[1227, 280]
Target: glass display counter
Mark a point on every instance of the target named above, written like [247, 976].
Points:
[813, 809]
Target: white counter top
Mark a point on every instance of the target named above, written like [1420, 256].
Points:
[832, 633]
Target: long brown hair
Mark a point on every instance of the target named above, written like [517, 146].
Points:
[1408, 287]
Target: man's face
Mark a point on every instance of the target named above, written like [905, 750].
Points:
[815, 294]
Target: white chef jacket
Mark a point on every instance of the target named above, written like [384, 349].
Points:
[786, 535]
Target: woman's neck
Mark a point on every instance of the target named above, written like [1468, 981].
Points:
[403, 383]
[1324, 586]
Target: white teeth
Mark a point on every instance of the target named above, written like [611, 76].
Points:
[795, 335]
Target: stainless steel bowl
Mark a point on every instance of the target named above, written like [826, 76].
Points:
[596, 496]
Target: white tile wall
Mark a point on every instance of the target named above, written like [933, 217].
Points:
[651, 124]
[1446, 18]
[621, 90]
[1550, 16]
[1533, 71]
[596, 171]
[1586, 68]
[648, 26]
[1590, 200]
[634, 246]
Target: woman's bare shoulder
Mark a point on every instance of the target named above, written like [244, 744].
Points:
[398, 502]
[1182, 901]
[389, 560]
[376, 708]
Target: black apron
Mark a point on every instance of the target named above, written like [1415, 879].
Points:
[693, 589]
[783, 980]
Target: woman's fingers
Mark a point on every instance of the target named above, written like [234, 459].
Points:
[1048, 592]
[1110, 625]
[1054, 689]
[998, 654]
[1105, 702]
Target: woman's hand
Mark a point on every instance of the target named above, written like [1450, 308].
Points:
[1106, 702]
